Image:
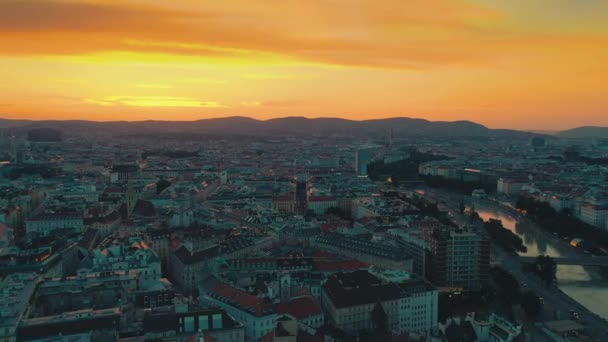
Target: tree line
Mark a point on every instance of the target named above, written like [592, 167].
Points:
[564, 223]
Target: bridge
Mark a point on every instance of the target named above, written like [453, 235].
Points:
[580, 261]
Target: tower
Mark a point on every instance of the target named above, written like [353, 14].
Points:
[285, 287]
[361, 161]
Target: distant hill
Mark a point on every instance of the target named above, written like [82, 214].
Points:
[585, 132]
[44, 135]
[298, 126]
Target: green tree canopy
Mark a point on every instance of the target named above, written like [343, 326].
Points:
[546, 268]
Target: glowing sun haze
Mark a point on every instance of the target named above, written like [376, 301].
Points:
[517, 63]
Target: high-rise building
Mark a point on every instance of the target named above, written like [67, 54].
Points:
[362, 158]
[460, 258]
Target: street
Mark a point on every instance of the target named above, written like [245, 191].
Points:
[554, 299]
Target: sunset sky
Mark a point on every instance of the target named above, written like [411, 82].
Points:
[527, 64]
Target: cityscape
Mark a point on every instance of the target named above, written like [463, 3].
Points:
[303, 171]
[115, 234]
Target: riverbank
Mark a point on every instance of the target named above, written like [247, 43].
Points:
[584, 287]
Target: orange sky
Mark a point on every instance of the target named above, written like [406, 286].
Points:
[530, 64]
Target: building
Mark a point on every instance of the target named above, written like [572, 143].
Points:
[122, 173]
[460, 258]
[419, 307]
[41, 260]
[284, 203]
[75, 293]
[415, 248]
[510, 186]
[305, 309]
[593, 209]
[371, 252]
[349, 299]
[178, 322]
[257, 315]
[135, 257]
[45, 223]
[493, 328]
[362, 158]
[105, 221]
[16, 292]
[101, 323]
[320, 204]
[187, 268]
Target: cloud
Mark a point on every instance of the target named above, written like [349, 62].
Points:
[251, 103]
[392, 34]
[154, 86]
[153, 101]
[283, 103]
[67, 16]
[267, 76]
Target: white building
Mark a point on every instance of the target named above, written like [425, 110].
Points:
[44, 224]
[593, 209]
[349, 299]
[510, 186]
[493, 328]
[135, 258]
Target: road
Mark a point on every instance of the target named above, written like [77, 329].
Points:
[553, 298]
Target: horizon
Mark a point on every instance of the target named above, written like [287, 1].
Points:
[547, 131]
[524, 65]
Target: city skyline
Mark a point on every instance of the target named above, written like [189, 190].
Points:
[522, 64]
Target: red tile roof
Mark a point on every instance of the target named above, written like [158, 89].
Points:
[3, 230]
[268, 337]
[319, 254]
[300, 308]
[241, 299]
[329, 227]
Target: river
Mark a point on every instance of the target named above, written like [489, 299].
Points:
[583, 284]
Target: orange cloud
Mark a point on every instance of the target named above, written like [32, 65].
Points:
[512, 63]
[325, 32]
[154, 101]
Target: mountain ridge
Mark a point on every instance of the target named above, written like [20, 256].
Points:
[585, 132]
[293, 125]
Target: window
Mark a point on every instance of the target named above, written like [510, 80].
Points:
[217, 321]
[203, 322]
[188, 324]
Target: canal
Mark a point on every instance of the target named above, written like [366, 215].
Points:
[584, 284]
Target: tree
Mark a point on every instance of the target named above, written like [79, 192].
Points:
[474, 216]
[563, 222]
[506, 285]
[546, 268]
[504, 237]
[379, 319]
[462, 332]
[531, 303]
[161, 185]
[335, 211]
[379, 323]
